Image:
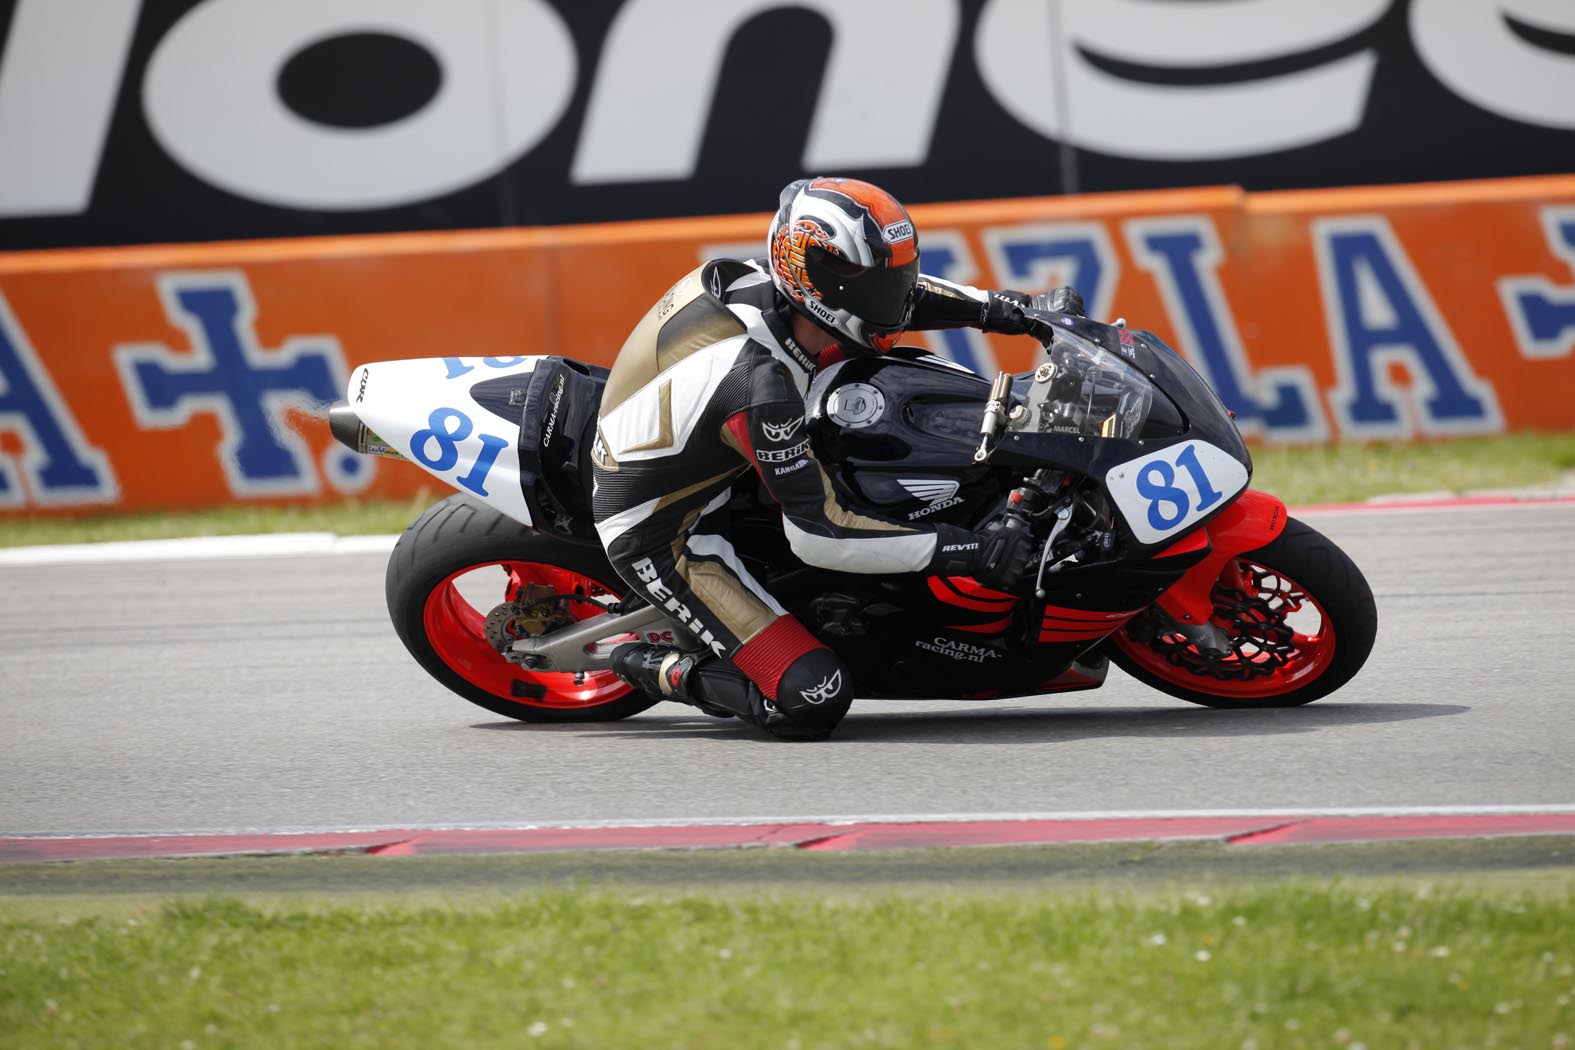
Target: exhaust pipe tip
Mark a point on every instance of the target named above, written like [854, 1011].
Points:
[346, 426]
[349, 431]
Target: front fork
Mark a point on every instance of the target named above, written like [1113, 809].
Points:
[1252, 521]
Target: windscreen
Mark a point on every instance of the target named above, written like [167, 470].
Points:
[1080, 388]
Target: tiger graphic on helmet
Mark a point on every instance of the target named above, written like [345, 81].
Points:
[846, 254]
[788, 248]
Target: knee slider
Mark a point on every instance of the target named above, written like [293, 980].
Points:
[816, 690]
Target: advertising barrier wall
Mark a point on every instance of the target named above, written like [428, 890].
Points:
[147, 121]
[191, 376]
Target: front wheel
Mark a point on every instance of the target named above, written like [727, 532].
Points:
[456, 566]
[1301, 622]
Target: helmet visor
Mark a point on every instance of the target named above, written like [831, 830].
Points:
[880, 296]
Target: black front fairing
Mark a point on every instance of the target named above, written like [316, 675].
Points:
[1206, 415]
[1186, 409]
[1203, 414]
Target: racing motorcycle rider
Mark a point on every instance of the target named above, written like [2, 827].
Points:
[710, 384]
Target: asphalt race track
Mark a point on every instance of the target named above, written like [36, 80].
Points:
[269, 693]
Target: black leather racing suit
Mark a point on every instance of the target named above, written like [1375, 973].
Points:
[710, 384]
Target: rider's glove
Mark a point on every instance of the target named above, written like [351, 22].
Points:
[1003, 312]
[1004, 555]
[997, 555]
[1063, 300]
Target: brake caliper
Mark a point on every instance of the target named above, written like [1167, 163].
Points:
[536, 610]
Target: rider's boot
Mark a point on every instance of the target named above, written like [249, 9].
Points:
[704, 681]
[663, 671]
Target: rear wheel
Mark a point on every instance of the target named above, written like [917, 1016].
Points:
[463, 577]
[1300, 619]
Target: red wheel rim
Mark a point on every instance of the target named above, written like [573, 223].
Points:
[456, 630]
[1308, 653]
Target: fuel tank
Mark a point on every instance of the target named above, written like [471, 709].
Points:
[898, 432]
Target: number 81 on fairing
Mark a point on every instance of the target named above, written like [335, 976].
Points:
[1168, 491]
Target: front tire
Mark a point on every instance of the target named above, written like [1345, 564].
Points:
[1301, 619]
[458, 561]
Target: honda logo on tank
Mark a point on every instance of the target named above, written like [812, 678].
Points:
[130, 122]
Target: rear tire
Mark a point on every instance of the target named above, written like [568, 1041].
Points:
[1278, 663]
[459, 539]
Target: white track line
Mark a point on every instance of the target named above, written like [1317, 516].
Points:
[198, 548]
[845, 820]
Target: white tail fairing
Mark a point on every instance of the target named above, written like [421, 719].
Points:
[423, 409]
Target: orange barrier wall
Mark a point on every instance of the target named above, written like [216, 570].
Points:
[191, 376]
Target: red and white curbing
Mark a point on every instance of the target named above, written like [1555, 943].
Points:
[1232, 828]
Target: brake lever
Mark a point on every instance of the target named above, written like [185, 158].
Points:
[1063, 515]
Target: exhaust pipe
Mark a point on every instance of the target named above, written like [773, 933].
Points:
[348, 430]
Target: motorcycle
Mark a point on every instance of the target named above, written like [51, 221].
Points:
[1153, 552]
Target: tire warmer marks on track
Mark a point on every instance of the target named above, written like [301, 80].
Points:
[806, 835]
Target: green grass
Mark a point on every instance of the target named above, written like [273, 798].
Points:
[1337, 473]
[1348, 473]
[356, 518]
[1295, 965]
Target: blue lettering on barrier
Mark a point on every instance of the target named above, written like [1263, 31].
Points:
[1541, 313]
[1379, 313]
[228, 374]
[1038, 258]
[60, 467]
[1031, 259]
[1546, 321]
[1183, 254]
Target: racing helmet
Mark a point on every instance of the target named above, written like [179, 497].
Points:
[846, 255]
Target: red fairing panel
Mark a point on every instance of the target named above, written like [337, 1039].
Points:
[965, 592]
[1253, 520]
